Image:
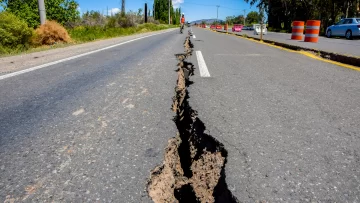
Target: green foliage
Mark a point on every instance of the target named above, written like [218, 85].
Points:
[14, 33]
[253, 17]
[176, 16]
[161, 13]
[87, 33]
[140, 12]
[61, 11]
[281, 13]
[93, 18]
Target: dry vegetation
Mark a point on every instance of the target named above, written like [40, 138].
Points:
[50, 33]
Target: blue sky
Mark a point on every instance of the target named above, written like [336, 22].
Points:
[193, 9]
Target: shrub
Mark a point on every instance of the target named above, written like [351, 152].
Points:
[50, 33]
[14, 33]
[90, 33]
[126, 21]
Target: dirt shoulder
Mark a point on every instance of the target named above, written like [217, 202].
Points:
[20, 62]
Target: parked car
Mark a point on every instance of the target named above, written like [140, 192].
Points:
[237, 28]
[218, 27]
[212, 26]
[248, 28]
[257, 29]
[347, 27]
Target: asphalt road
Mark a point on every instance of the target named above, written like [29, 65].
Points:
[91, 129]
[340, 45]
[291, 124]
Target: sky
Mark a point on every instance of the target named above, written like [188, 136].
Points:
[193, 9]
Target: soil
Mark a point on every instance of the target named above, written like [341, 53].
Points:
[194, 163]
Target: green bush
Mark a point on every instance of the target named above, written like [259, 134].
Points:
[14, 33]
[91, 33]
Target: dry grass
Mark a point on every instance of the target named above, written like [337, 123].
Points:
[50, 33]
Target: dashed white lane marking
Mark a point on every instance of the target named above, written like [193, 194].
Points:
[204, 72]
[194, 36]
[2, 77]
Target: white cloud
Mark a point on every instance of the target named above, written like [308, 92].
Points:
[114, 11]
[176, 3]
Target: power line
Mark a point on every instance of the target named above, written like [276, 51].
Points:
[210, 5]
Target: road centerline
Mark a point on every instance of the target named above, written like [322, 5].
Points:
[204, 72]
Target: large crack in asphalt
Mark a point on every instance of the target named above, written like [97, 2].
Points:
[194, 163]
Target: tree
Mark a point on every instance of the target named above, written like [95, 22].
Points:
[281, 13]
[140, 10]
[61, 11]
[230, 20]
[253, 17]
[161, 8]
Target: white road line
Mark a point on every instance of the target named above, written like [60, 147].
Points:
[2, 77]
[194, 36]
[204, 72]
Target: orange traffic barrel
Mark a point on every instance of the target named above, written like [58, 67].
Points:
[226, 27]
[312, 31]
[297, 30]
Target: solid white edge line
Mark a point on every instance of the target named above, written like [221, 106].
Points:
[204, 72]
[2, 77]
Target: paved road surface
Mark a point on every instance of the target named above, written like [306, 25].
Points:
[342, 46]
[92, 128]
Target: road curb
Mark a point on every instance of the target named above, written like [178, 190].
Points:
[349, 60]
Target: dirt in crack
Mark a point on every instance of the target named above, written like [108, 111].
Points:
[194, 164]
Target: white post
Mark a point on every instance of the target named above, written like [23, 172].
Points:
[42, 12]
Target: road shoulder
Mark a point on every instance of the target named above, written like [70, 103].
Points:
[20, 62]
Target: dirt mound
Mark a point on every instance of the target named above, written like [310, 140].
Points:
[194, 163]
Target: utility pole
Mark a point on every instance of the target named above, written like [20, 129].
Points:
[146, 13]
[261, 23]
[244, 16]
[42, 12]
[123, 7]
[169, 12]
[217, 14]
[154, 10]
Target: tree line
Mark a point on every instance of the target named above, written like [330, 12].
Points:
[281, 13]
[252, 17]
[60, 10]
[161, 12]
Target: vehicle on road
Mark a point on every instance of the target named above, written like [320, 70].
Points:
[247, 28]
[218, 27]
[212, 26]
[347, 27]
[257, 30]
[237, 28]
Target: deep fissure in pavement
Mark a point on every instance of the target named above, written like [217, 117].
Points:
[194, 164]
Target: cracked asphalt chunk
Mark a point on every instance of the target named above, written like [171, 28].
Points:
[194, 163]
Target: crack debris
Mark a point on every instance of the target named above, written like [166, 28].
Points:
[194, 163]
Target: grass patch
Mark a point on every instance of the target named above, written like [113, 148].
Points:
[86, 34]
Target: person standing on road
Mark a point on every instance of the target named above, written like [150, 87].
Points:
[182, 21]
